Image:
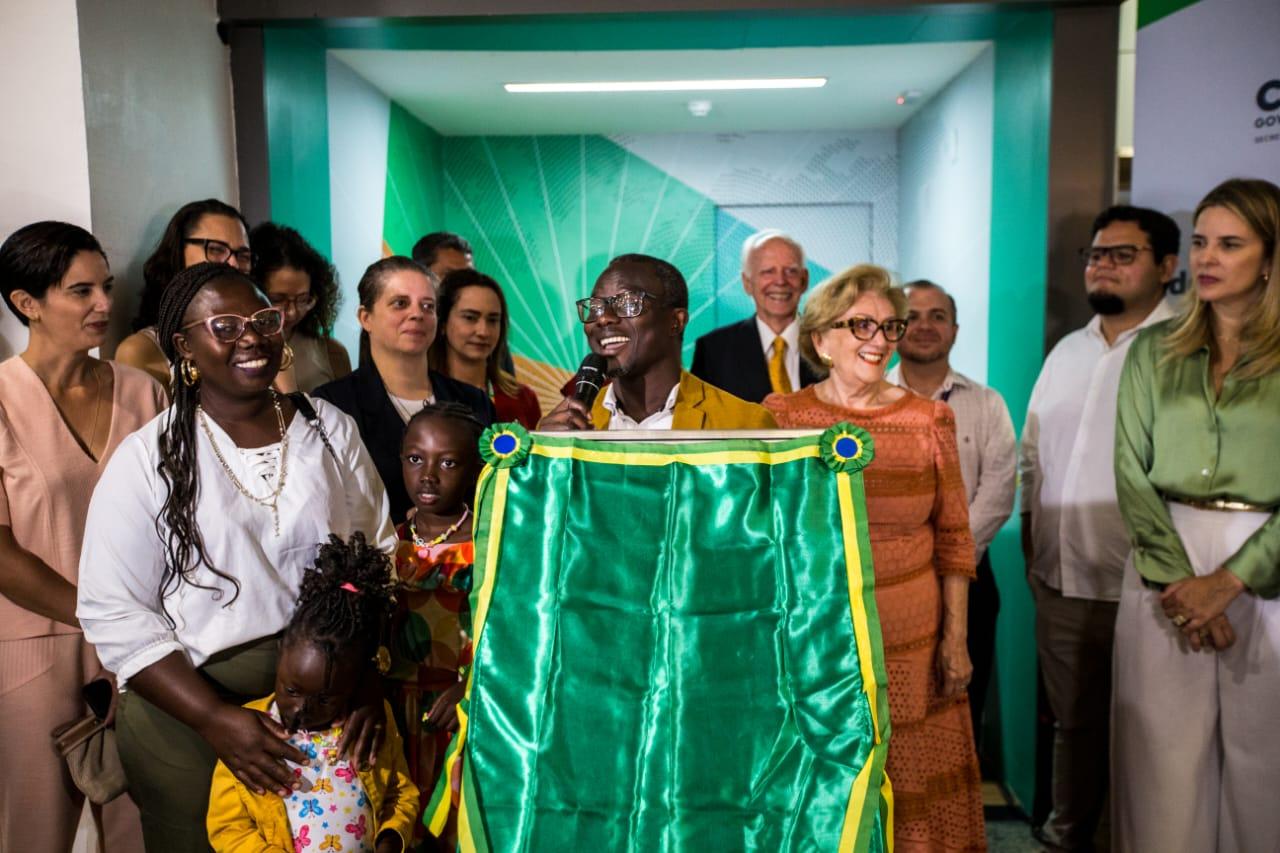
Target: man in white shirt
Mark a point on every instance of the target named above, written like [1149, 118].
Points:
[761, 354]
[988, 456]
[1073, 538]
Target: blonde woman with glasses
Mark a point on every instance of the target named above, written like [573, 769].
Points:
[918, 518]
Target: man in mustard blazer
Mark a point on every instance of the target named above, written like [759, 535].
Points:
[635, 318]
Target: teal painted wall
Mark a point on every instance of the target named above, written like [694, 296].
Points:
[297, 132]
[414, 203]
[1019, 248]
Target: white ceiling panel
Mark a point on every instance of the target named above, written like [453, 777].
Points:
[459, 93]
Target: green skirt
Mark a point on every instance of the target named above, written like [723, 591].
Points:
[169, 766]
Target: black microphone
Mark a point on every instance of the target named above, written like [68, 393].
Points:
[589, 379]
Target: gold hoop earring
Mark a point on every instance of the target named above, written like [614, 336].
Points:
[826, 359]
[189, 372]
[286, 358]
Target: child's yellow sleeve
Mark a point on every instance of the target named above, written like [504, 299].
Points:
[400, 801]
[231, 827]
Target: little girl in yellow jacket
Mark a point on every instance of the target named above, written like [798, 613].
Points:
[335, 807]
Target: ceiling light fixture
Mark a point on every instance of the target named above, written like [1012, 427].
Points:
[699, 108]
[669, 85]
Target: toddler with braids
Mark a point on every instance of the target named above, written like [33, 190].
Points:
[325, 652]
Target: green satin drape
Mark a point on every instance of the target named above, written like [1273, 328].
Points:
[667, 656]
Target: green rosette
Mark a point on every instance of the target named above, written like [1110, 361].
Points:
[505, 445]
[846, 448]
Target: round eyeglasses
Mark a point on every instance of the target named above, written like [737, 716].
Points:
[628, 303]
[229, 328]
[864, 328]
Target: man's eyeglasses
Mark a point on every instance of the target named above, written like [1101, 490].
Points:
[218, 252]
[300, 304]
[1121, 256]
[229, 328]
[864, 328]
[628, 303]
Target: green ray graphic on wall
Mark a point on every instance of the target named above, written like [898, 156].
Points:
[544, 216]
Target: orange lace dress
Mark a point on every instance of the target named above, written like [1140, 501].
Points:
[918, 517]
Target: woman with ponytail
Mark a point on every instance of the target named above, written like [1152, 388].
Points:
[197, 538]
[398, 320]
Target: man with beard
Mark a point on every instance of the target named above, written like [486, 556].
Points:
[988, 456]
[635, 317]
[1073, 537]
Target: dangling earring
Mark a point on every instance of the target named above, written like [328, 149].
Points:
[189, 372]
[286, 358]
[826, 359]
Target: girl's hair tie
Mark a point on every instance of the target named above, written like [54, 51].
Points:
[350, 587]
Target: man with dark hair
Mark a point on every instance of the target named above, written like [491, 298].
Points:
[635, 318]
[988, 456]
[761, 354]
[1073, 537]
[442, 252]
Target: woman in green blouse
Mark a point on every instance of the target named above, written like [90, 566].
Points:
[1196, 763]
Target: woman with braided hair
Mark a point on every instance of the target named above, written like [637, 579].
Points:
[196, 541]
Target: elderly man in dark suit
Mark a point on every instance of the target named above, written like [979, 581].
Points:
[761, 354]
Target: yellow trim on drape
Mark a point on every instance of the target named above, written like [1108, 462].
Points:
[493, 544]
[862, 635]
[717, 457]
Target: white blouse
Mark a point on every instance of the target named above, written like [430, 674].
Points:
[123, 557]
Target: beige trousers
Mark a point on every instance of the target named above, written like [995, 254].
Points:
[40, 681]
[1196, 736]
[1073, 638]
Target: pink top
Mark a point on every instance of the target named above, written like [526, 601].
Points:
[47, 479]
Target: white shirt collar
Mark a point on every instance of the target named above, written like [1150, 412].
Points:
[1162, 311]
[619, 419]
[791, 334]
[953, 380]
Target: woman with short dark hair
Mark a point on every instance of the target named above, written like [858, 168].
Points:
[62, 415]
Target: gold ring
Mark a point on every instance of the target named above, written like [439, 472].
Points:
[1180, 620]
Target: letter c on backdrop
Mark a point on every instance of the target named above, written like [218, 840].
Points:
[1269, 96]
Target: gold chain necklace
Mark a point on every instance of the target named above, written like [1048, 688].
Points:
[271, 501]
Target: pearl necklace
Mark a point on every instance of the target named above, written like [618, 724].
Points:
[422, 545]
[271, 501]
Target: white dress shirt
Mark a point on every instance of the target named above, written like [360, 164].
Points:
[1079, 540]
[123, 557]
[988, 450]
[790, 359]
[618, 419]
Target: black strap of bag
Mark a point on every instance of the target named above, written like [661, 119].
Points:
[308, 412]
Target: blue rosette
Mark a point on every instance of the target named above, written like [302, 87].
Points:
[505, 445]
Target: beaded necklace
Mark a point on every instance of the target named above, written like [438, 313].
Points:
[423, 545]
[271, 501]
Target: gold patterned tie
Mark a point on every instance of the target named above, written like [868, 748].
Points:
[778, 377]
